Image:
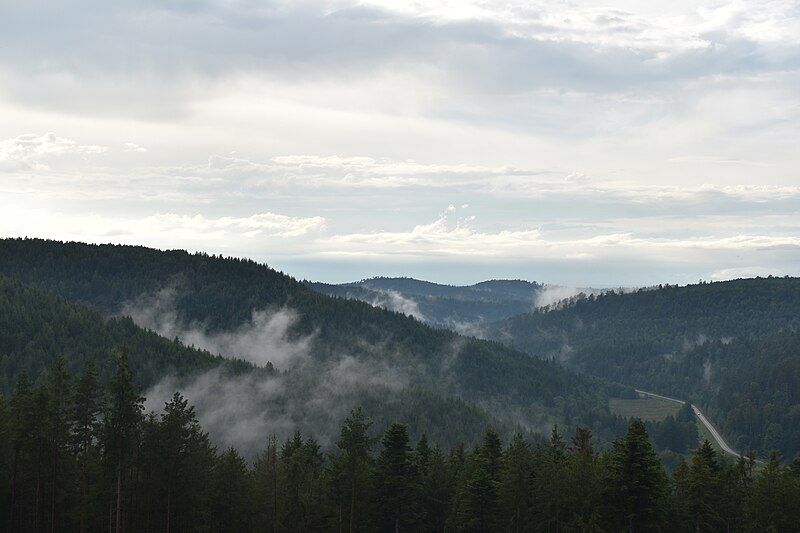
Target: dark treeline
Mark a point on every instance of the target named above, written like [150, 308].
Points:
[80, 457]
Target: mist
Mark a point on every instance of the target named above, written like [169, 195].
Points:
[394, 301]
[304, 393]
[264, 339]
[243, 411]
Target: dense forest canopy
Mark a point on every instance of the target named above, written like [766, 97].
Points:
[76, 456]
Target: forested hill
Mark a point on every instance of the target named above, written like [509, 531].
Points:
[491, 290]
[711, 342]
[36, 327]
[461, 308]
[332, 346]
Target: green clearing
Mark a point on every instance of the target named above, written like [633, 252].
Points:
[652, 408]
[646, 408]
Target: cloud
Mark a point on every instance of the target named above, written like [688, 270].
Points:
[460, 238]
[133, 147]
[174, 56]
[31, 152]
[162, 229]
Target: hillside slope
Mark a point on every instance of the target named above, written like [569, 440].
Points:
[242, 308]
[36, 327]
[710, 342]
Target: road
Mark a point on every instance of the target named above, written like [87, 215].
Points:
[711, 429]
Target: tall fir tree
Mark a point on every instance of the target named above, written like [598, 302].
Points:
[354, 467]
[395, 490]
[121, 421]
[85, 421]
[637, 481]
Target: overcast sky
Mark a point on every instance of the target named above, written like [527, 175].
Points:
[631, 144]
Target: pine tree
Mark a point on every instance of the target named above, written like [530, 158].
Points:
[87, 409]
[637, 479]
[6, 453]
[774, 497]
[492, 453]
[300, 472]
[123, 416]
[703, 482]
[185, 458]
[583, 482]
[231, 510]
[57, 427]
[436, 491]
[22, 419]
[354, 444]
[516, 483]
[480, 507]
[394, 481]
[265, 487]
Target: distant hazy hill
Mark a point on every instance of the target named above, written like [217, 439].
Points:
[712, 342]
[331, 353]
[461, 308]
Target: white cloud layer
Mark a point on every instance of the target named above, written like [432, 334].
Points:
[623, 144]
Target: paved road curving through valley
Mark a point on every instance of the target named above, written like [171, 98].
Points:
[711, 429]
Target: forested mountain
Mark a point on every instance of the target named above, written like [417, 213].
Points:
[331, 353]
[461, 308]
[38, 327]
[731, 346]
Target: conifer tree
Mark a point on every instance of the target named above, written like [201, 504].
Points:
[123, 415]
[354, 463]
[184, 458]
[231, 502]
[583, 480]
[265, 487]
[637, 480]
[703, 484]
[436, 492]
[57, 427]
[22, 419]
[516, 483]
[87, 409]
[394, 481]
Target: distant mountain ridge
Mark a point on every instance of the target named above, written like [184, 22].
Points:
[461, 308]
[465, 309]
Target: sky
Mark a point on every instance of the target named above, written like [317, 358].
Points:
[568, 142]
